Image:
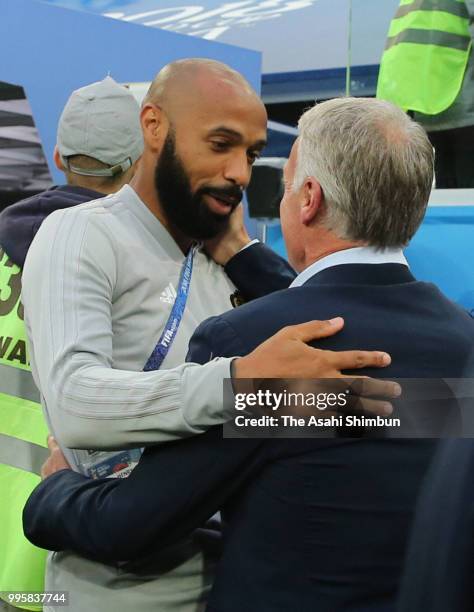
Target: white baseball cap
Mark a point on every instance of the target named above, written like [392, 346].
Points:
[101, 120]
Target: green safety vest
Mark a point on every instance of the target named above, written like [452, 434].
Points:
[23, 434]
[426, 55]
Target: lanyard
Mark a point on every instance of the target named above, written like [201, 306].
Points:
[171, 328]
[119, 465]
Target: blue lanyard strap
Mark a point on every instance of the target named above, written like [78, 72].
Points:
[172, 325]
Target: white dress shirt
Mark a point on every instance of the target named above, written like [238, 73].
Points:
[356, 255]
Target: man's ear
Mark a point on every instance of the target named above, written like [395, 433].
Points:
[57, 159]
[154, 125]
[312, 195]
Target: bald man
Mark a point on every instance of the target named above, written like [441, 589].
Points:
[116, 286]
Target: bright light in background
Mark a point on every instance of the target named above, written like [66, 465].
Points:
[197, 20]
[293, 35]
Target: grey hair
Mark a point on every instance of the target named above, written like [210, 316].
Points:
[374, 165]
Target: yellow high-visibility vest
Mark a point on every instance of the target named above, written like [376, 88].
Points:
[426, 55]
[23, 433]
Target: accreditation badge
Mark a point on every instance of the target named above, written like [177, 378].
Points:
[103, 464]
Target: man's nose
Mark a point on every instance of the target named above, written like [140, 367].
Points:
[238, 170]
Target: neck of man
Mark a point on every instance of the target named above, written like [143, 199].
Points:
[91, 184]
[318, 242]
[146, 191]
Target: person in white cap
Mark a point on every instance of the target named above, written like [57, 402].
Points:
[99, 142]
[99, 137]
[113, 291]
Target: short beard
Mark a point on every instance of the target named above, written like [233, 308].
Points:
[185, 210]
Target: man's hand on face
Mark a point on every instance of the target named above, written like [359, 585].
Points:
[231, 241]
[287, 355]
[56, 460]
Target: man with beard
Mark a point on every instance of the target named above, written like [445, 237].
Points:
[99, 283]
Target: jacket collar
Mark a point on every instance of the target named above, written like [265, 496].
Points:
[362, 274]
[355, 255]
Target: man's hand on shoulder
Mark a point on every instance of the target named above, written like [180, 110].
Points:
[231, 241]
[56, 460]
[286, 355]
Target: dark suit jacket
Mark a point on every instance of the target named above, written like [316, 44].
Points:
[313, 525]
[257, 271]
[439, 568]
